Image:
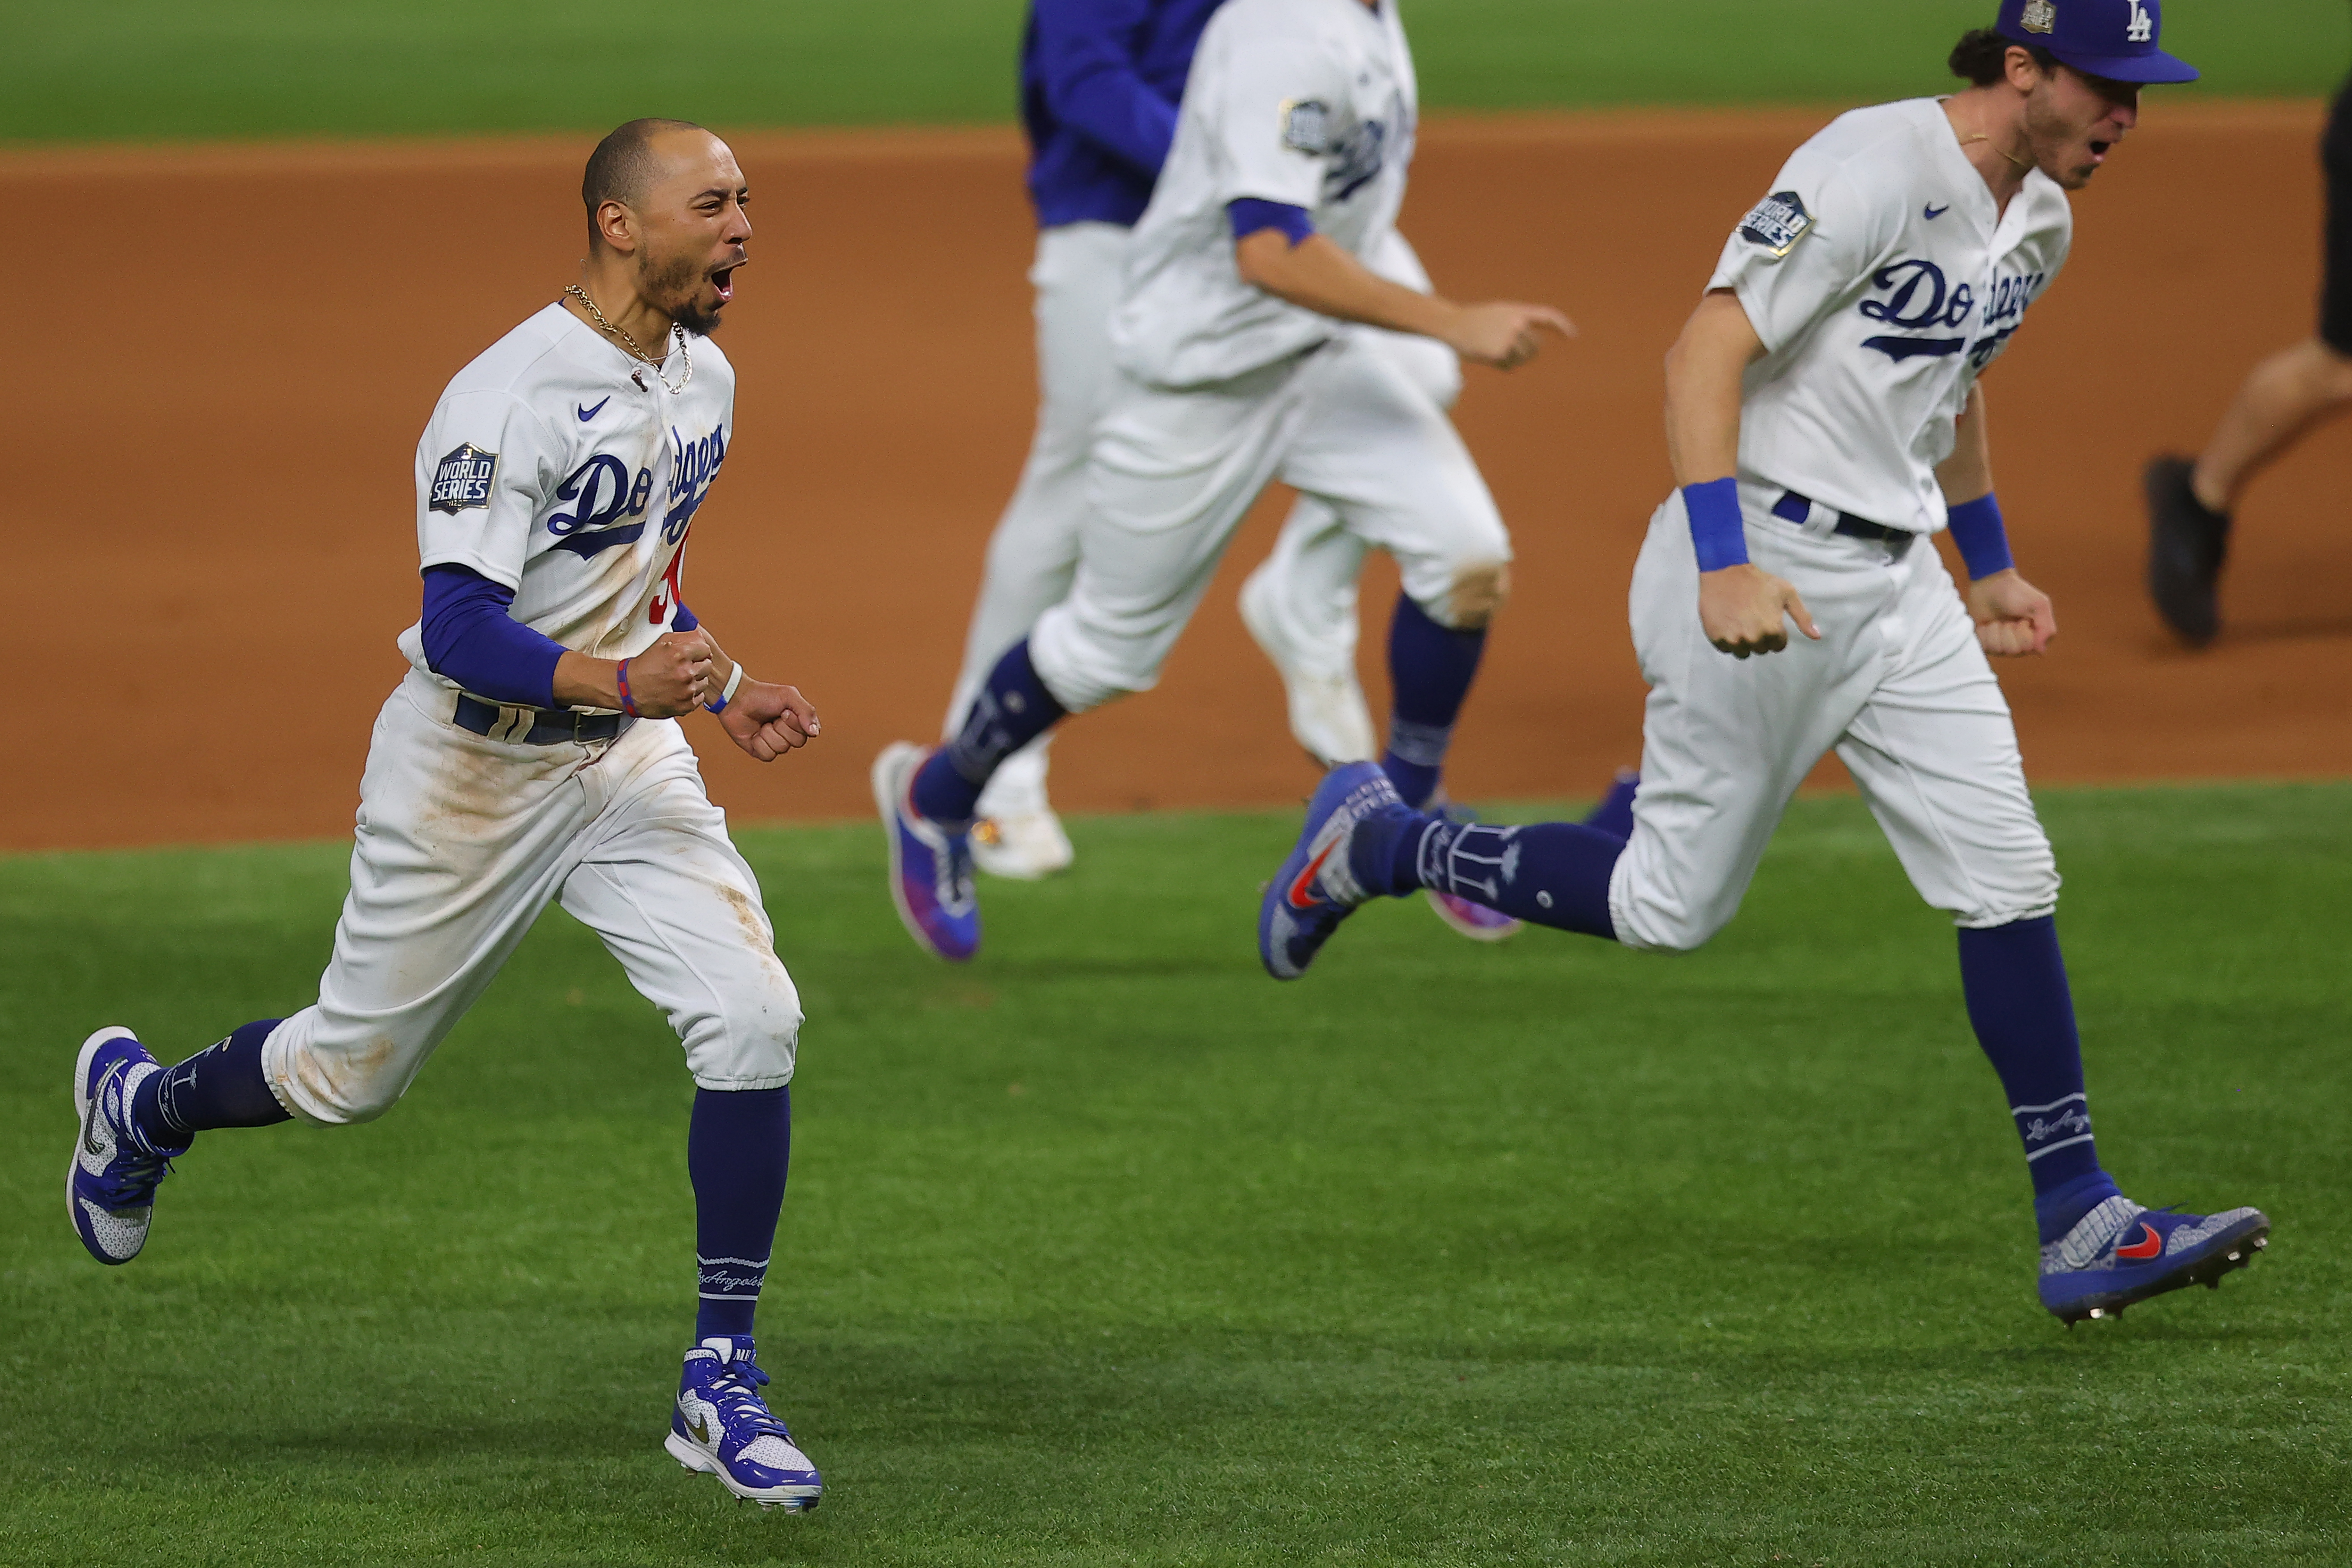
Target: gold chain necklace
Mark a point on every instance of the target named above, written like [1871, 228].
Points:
[677, 335]
[2015, 162]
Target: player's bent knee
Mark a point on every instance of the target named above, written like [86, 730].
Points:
[1476, 596]
[751, 1043]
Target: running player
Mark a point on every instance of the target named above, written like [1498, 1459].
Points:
[1238, 364]
[2288, 395]
[530, 757]
[1100, 81]
[1822, 413]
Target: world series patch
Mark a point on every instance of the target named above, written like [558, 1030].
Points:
[1307, 125]
[463, 479]
[1779, 221]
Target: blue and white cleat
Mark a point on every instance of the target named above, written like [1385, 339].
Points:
[1316, 889]
[110, 1184]
[721, 1427]
[931, 866]
[2120, 1253]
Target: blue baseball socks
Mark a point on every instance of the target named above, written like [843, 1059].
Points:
[1429, 670]
[738, 1149]
[1553, 874]
[1013, 707]
[2015, 982]
[221, 1085]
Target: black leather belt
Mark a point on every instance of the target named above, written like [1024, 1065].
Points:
[1799, 510]
[549, 727]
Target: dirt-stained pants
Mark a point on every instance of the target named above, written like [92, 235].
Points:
[462, 840]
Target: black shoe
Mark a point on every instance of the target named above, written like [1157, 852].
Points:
[2185, 546]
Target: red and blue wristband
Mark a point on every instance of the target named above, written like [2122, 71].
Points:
[620, 679]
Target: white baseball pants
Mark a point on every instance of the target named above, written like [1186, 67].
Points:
[1033, 556]
[1898, 686]
[1174, 471]
[462, 840]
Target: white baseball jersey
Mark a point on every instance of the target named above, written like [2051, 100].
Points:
[1310, 103]
[1883, 278]
[558, 465]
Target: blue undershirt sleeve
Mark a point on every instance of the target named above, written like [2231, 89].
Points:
[684, 619]
[1248, 215]
[1085, 53]
[470, 639]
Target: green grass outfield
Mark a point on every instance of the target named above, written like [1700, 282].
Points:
[145, 69]
[1108, 1250]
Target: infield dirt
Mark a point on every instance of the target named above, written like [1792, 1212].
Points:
[231, 351]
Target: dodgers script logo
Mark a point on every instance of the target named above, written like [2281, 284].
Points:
[692, 465]
[1918, 299]
[463, 479]
[2004, 313]
[601, 494]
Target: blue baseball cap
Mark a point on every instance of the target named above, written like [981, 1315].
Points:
[2113, 39]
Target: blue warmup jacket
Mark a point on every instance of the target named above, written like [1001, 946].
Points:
[1100, 81]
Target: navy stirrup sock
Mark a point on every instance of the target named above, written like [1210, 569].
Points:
[1013, 709]
[1553, 874]
[1429, 670]
[738, 1149]
[2015, 982]
[220, 1086]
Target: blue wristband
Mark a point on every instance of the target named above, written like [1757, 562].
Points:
[1984, 543]
[1715, 527]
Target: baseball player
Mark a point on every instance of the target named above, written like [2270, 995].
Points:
[1822, 413]
[531, 755]
[1100, 81]
[2286, 398]
[1241, 358]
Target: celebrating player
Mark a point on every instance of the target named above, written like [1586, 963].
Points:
[2284, 399]
[1099, 85]
[1243, 355]
[1822, 413]
[530, 756]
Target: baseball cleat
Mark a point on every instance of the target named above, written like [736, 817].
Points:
[1614, 814]
[111, 1182]
[720, 1426]
[930, 866]
[1475, 922]
[1328, 713]
[2186, 547]
[1316, 889]
[2120, 1253]
[1025, 847]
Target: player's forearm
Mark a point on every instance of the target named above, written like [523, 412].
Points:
[581, 681]
[584, 682]
[1705, 373]
[1318, 275]
[1966, 473]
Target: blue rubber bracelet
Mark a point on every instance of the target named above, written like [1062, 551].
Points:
[1984, 541]
[1716, 531]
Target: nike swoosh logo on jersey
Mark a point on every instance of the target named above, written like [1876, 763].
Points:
[588, 414]
[2150, 1245]
[1932, 214]
[1299, 898]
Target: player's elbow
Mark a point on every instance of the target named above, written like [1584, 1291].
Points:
[1263, 259]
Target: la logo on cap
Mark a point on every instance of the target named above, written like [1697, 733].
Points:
[2143, 25]
[2042, 17]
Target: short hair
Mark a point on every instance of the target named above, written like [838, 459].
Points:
[1982, 56]
[620, 167]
